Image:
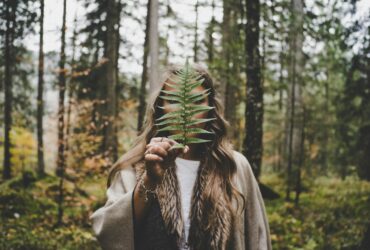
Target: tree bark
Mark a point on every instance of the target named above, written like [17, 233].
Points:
[226, 30]
[210, 35]
[195, 48]
[252, 145]
[71, 89]
[40, 99]
[62, 87]
[153, 46]
[298, 185]
[110, 76]
[295, 113]
[10, 15]
[144, 74]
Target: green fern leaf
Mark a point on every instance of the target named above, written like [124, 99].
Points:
[184, 107]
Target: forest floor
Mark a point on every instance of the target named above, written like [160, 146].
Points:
[332, 214]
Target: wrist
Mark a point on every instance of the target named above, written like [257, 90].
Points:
[147, 189]
[150, 182]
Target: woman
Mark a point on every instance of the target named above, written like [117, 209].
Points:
[202, 197]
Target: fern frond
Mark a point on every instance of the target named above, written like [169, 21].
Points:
[183, 103]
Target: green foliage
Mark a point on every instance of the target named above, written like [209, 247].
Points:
[333, 214]
[23, 151]
[183, 101]
[28, 216]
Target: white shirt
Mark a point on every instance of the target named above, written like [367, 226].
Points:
[186, 171]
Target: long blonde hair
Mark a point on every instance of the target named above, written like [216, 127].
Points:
[218, 153]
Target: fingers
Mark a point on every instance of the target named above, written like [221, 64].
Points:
[164, 145]
[153, 157]
[164, 142]
[163, 139]
[161, 147]
[157, 149]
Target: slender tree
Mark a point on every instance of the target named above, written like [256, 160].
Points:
[195, 48]
[295, 108]
[153, 46]
[144, 74]
[252, 145]
[110, 77]
[298, 180]
[211, 31]
[226, 30]
[40, 100]
[10, 12]
[61, 139]
[71, 90]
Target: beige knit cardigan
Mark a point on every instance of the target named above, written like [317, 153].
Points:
[113, 223]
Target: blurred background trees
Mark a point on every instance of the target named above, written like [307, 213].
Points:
[293, 77]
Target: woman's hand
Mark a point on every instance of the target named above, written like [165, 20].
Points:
[157, 154]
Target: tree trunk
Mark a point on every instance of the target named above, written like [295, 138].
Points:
[195, 48]
[144, 74]
[226, 30]
[295, 94]
[153, 46]
[280, 149]
[231, 72]
[298, 186]
[40, 100]
[210, 35]
[71, 89]
[110, 76]
[252, 145]
[62, 87]
[119, 87]
[8, 80]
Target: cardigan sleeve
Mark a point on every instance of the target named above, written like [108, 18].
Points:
[257, 231]
[113, 223]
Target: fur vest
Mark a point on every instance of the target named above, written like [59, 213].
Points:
[166, 214]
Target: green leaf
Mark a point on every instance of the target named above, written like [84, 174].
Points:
[178, 145]
[167, 121]
[177, 137]
[192, 86]
[173, 105]
[196, 140]
[170, 115]
[172, 85]
[197, 96]
[197, 109]
[171, 127]
[172, 98]
[197, 121]
[197, 131]
[172, 93]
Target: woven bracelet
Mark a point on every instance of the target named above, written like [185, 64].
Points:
[145, 190]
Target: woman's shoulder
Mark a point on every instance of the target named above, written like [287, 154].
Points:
[242, 163]
[125, 177]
